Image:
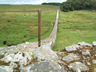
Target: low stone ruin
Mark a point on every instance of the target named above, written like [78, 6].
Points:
[79, 57]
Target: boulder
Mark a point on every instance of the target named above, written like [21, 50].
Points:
[6, 69]
[84, 44]
[72, 48]
[45, 53]
[78, 67]
[70, 57]
[43, 67]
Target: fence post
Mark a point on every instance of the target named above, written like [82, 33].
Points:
[39, 27]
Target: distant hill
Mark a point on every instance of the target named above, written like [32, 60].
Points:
[4, 4]
[56, 4]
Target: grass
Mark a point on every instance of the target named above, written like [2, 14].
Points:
[74, 27]
[17, 28]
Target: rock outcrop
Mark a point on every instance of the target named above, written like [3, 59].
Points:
[75, 58]
[44, 67]
[45, 53]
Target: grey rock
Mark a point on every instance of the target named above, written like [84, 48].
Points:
[87, 52]
[61, 53]
[94, 45]
[89, 63]
[45, 53]
[43, 67]
[94, 61]
[6, 69]
[70, 57]
[72, 48]
[78, 67]
[84, 44]
[2, 70]
[95, 70]
[23, 58]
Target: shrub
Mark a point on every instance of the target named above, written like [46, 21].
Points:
[71, 5]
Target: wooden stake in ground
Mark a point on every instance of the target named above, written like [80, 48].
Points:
[39, 27]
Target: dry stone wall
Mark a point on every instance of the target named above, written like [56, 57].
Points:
[52, 38]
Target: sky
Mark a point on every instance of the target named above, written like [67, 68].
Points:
[28, 1]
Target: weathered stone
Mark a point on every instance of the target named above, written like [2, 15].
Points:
[22, 58]
[84, 44]
[89, 63]
[94, 61]
[95, 70]
[94, 45]
[61, 53]
[43, 67]
[87, 52]
[6, 69]
[45, 53]
[72, 48]
[70, 57]
[13, 65]
[78, 67]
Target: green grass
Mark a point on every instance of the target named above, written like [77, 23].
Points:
[75, 27]
[17, 28]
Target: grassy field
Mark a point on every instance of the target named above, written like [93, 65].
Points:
[75, 27]
[17, 28]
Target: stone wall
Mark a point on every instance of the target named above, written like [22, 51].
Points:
[52, 38]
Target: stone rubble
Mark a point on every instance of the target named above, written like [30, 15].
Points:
[72, 48]
[84, 44]
[87, 52]
[25, 58]
[45, 53]
[70, 57]
[78, 67]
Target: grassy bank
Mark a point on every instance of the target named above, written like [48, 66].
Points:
[75, 27]
[17, 28]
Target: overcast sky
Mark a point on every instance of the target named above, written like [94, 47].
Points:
[27, 1]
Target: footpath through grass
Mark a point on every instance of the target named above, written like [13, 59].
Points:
[16, 28]
[75, 27]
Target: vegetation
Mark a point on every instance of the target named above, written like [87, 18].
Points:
[74, 27]
[71, 5]
[57, 4]
[17, 28]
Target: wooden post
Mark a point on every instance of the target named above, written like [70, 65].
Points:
[39, 27]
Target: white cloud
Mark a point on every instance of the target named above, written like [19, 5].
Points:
[27, 1]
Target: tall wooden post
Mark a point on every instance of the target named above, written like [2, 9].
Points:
[39, 27]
